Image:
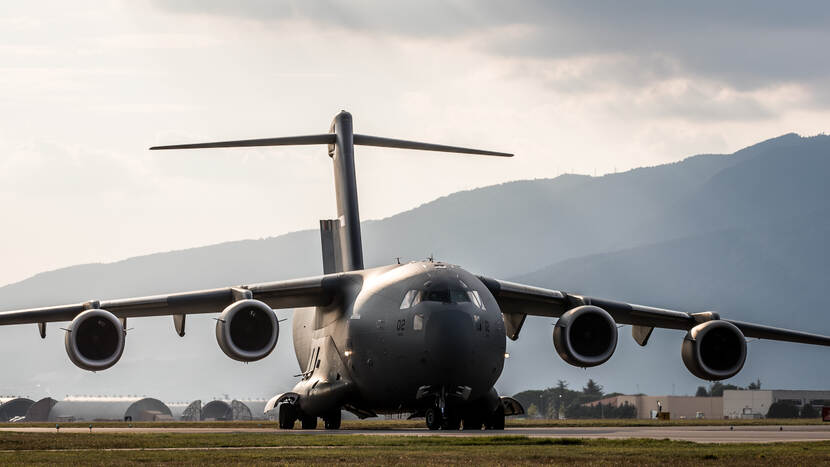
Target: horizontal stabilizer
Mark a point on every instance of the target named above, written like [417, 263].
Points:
[366, 140]
[327, 138]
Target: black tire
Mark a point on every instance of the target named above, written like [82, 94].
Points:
[452, 421]
[496, 419]
[332, 421]
[473, 422]
[309, 422]
[287, 416]
[433, 418]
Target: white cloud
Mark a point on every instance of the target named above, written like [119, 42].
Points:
[86, 89]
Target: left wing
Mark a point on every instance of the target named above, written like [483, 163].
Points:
[246, 330]
[311, 291]
[517, 301]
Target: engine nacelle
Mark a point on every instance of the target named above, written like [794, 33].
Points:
[95, 340]
[714, 350]
[247, 330]
[585, 336]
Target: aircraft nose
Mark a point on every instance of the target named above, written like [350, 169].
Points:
[448, 337]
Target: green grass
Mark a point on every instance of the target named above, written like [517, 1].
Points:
[271, 448]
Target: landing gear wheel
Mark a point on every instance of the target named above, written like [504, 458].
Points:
[309, 422]
[433, 418]
[452, 421]
[287, 416]
[332, 421]
[496, 419]
[473, 422]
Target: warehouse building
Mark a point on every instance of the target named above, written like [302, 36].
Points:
[678, 407]
[756, 403]
[733, 404]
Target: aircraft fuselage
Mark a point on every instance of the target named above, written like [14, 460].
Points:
[401, 334]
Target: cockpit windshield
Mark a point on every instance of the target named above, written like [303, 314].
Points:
[442, 293]
[446, 295]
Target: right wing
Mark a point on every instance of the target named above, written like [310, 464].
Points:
[517, 301]
[294, 293]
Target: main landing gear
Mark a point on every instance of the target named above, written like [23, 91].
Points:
[332, 420]
[289, 414]
[473, 420]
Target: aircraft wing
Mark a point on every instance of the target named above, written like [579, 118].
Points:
[295, 293]
[517, 301]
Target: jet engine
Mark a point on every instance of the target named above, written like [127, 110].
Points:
[247, 330]
[95, 340]
[585, 336]
[714, 350]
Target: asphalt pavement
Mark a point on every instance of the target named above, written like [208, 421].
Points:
[698, 434]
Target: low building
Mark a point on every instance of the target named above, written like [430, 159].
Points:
[98, 408]
[256, 408]
[14, 408]
[756, 403]
[678, 407]
[186, 411]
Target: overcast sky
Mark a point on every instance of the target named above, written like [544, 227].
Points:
[585, 87]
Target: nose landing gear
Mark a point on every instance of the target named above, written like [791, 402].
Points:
[449, 410]
[449, 420]
[433, 418]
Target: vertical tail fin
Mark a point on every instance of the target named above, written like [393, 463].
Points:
[341, 238]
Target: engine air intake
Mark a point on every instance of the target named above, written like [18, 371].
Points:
[585, 336]
[714, 350]
[95, 340]
[247, 330]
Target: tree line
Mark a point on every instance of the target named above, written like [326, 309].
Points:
[716, 389]
[561, 401]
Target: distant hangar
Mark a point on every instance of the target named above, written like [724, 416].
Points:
[137, 409]
[13, 408]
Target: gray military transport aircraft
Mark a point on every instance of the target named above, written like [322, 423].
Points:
[427, 338]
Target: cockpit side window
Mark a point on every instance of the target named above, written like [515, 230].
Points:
[410, 299]
[476, 299]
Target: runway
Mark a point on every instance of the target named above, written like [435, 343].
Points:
[697, 434]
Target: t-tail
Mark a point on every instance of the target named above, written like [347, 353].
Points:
[342, 246]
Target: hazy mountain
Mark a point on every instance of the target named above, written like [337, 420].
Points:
[775, 275]
[743, 234]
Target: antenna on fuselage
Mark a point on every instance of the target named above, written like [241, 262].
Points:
[344, 251]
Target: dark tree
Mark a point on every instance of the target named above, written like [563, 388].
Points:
[701, 392]
[592, 389]
[717, 388]
[755, 385]
[533, 397]
[808, 411]
[782, 410]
